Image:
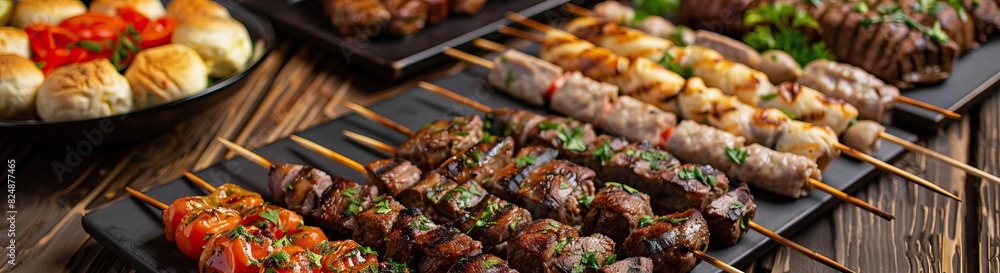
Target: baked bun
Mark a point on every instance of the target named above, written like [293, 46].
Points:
[28, 12]
[152, 9]
[19, 84]
[14, 41]
[165, 73]
[81, 91]
[223, 43]
[184, 9]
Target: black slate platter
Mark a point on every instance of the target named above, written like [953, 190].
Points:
[133, 230]
[395, 57]
[975, 75]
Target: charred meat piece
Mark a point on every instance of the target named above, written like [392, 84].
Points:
[341, 202]
[444, 247]
[508, 180]
[700, 183]
[480, 162]
[524, 76]
[376, 222]
[408, 16]
[583, 98]
[298, 187]
[462, 197]
[392, 267]
[584, 254]
[630, 265]
[729, 216]
[439, 140]
[346, 256]
[401, 244]
[616, 211]
[528, 128]
[873, 97]
[393, 175]
[467, 6]
[668, 241]
[482, 263]
[426, 194]
[357, 18]
[534, 245]
[437, 10]
[555, 190]
[493, 221]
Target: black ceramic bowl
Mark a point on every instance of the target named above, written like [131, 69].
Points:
[150, 121]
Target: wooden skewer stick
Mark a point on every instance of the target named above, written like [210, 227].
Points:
[820, 185]
[521, 19]
[473, 59]
[255, 158]
[198, 181]
[716, 262]
[335, 156]
[378, 118]
[897, 171]
[951, 161]
[146, 198]
[581, 11]
[797, 247]
[520, 34]
[370, 142]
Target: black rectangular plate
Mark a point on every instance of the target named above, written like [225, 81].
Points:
[975, 75]
[390, 57]
[133, 230]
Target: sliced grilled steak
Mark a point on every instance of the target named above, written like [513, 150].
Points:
[376, 222]
[341, 202]
[393, 175]
[493, 221]
[439, 140]
[482, 263]
[528, 128]
[630, 265]
[401, 244]
[584, 254]
[555, 189]
[668, 241]
[728, 217]
[444, 246]
[508, 180]
[298, 187]
[462, 197]
[534, 245]
[616, 211]
[480, 162]
[425, 194]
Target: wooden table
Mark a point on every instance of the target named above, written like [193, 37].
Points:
[299, 86]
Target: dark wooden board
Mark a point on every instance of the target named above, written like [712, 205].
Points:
[133, 230]
[389, 57]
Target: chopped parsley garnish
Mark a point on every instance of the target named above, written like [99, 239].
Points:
[573, 140]
[513, 224]
[208, 236]
[645, 221]
[646, 8]
[737, 205]
[589, 259]
[852, 122]
[563, 185]
[767, 97]
[364, 250]
[383, 207]
[523, 160]
[464, 195]
[314, 258]
[789, 114]
[508, 80]
[280, 257]
[789, 37]
[675, 221]
[603, 152]
[892, 13]
[491, 262]
[668, 61]
[585, 200]
[861, 7]
[611, 259]
[353, 207]
[486, 218]
[350, 192]
[737, 155]
[545, 125]
[290, 188]
[283, 242]
[553, 226]
[620, 185]
[476, 157]
[271, 215]
[559, 246]
[461, 133]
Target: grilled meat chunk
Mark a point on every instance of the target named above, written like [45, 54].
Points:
[467, 6]
[493, 221]
[408, 16]
[392, 176]
[616, 211]
[357, 18]
[524, 76]
[534, 245]
[624, 15]
[298, 187]
[668, 241]
[437, 10]
[480, 162]
[871, 96]
[637, 121]
[584, 98]
[555, 190]
[728, 217]
[341, 202]
[730, 48]
[462, 197]
[444, 246]
[376, 222]
[401, 243]
[482, 263]
[864, 136]
[509, 179]
[439, 140]
[426, 194]
[346, 256]
[583, 254]
[630, 265]
[528, 128]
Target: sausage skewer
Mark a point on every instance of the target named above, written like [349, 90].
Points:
[815, 138]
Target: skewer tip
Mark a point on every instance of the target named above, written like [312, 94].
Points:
[255, 158]
[371, 115]
[716, 262]
[198, 181]
[850, 199]
[146, 198]
[370, 142]
[894, 170]
[797, 247]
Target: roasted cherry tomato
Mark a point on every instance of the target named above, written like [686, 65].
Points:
[236, 198]
[198, 227]
[307, 238]
[277, 220]
[181, 207]
[291, 259]
[346, 256]
[236, 250]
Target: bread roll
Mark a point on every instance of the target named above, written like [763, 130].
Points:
[152, 9]
[19, 84]
[14, 41]
[84, 91]
[162, 74]
[28, 12]
[184, 9]
[223, 43]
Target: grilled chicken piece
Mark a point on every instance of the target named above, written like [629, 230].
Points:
[615, 212]
[444, 247]
[467, 6]
[376, 222]
[864, 136]
[555, 190]
[401, 245]
[439, 140]
[347, 256]
[873, 97]
[479, 162]
[341, 202]
[630, 265]
[408, 16]
[493, 221]
[534, 245]
[482, 263]
[668, 241]
[392, 176]
[728, 217]
[584, 254]
[357, 18]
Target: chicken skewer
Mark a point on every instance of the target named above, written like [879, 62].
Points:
[821, 145]
[264, 162]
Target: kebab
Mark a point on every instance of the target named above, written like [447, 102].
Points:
[526, 235]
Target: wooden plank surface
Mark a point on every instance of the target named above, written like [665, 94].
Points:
[298, 87]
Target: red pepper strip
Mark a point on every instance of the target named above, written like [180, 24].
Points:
[49, 46]
[666, 136]
[555, 86]
[158, 33]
